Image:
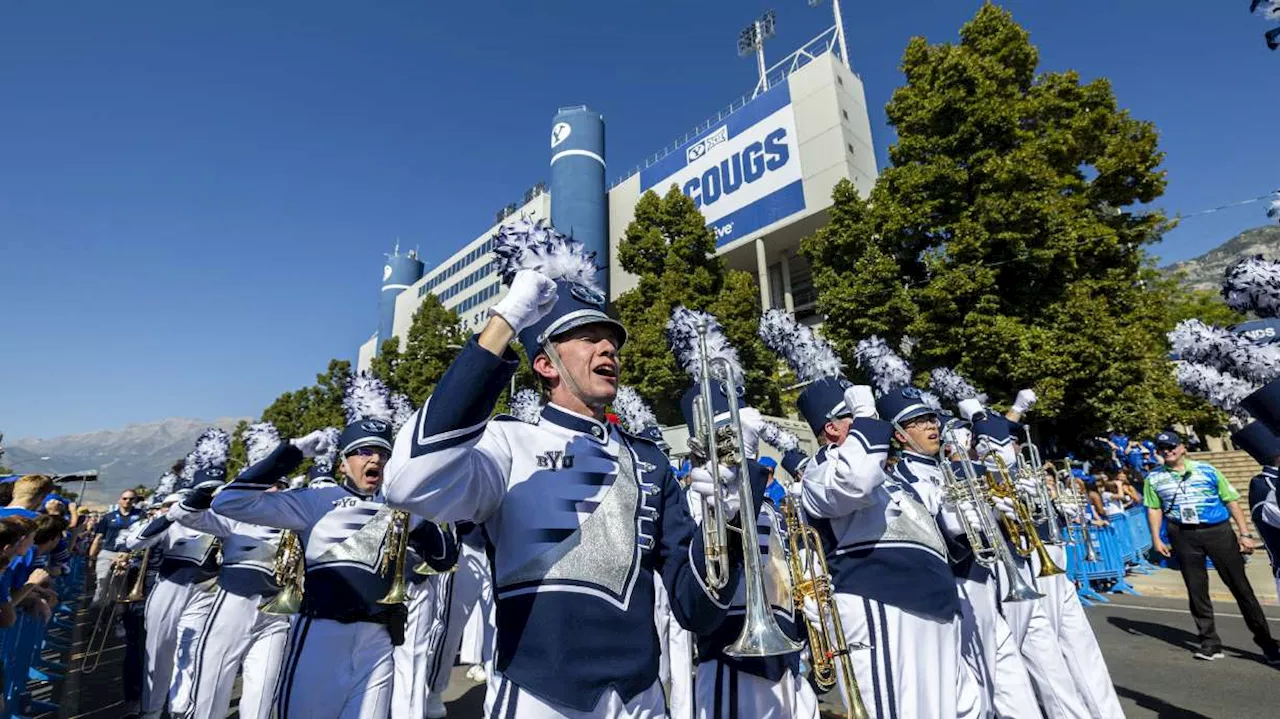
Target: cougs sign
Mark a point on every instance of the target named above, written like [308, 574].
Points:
[743, 173]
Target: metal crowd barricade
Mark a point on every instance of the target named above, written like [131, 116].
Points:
[28, 649]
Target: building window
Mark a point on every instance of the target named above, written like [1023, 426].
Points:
[851, 150]
[845, 114]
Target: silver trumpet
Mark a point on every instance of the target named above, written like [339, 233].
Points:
[1042, 509]
[986, 540]
[760, 636]
[1074, 503]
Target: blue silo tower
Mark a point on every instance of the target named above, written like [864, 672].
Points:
[579, 204]
[400, 272]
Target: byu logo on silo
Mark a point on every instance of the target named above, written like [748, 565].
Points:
[699, 148]
[559, 133]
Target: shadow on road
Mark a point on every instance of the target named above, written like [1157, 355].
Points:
[1179, 638]
[1163, 709]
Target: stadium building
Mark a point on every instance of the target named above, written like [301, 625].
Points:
[762, 171]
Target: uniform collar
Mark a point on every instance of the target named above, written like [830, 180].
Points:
[573, 421]
[913, 456]
[1272, 472]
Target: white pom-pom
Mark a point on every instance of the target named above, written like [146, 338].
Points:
[888, 371]
[808, 355]
[402, 410]
[525, 245]
[366, 397]
[167, 485]
[1253, 285]
[1219, 389]
[526, 406]
[952, 387]
[778, 438]
[635, 414]
[260, 439]
[324, 462]
[682, 337]
[1196, 341]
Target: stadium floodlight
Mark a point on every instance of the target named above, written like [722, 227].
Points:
[751, 41]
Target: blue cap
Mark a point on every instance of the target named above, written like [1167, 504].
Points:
[993, 426]
[769, 462]
[1168, 437]
[365, 433]
[653, 433]
[576, 305]
[719, 403]
[209, 474]
[902, 404]
[823, 401]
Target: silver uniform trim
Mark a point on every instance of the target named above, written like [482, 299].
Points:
[363, 547]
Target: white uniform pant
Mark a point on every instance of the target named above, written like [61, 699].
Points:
[478, 636]
[459, 599]
[336, 671]
[413, 658]
[726, 693]
[989, 648]
[237, 634]
[1042, 653]
[175, 614]
[1079, 645]
[102, 571]
[504, 699]
[910, 666]
[675, 669]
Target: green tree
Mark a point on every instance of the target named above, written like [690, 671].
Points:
[672, 252]
[434, 338]
[310, 408]
[237, 453]
[1008, 235]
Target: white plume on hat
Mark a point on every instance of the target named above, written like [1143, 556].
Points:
[952, 387]
[526, 245]
[778, 438]
[682, 337]
[1196, 341]
[1220, 389]
[210, 451]
[808, 355]
[634, 412]
[260, 439]
[402, 410]
[1253, 285]
[526, 406]
[324, 463]
[366, 397]
[888, 371]
[167, 484]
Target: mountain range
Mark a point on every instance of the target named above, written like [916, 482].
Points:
[1205, 272]
[126, 457]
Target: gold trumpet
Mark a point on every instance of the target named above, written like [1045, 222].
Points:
[1022, 529]
[290, 572]
[811, 579]
[138, 591]
[393, 558]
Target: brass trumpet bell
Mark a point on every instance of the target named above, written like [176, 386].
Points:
[287, 601]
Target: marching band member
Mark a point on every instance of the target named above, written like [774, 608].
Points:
[237, 634]
[1264, 447]
[339, 662]
[675, 670]
[1030, 621]
[181, 598]
[728, 686]
[578, 513]
[989, 645]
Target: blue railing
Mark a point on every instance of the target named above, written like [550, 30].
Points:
[30, 648]
[1119, 549]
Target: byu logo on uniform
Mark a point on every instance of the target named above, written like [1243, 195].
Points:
[374, 425]
[555, 460]
[346, 502]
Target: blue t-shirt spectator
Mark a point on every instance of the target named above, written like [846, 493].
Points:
[114, 523]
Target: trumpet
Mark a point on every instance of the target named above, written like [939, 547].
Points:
[1022, 530]
[290, 574]
[761, 636]
[107, 613]
[811, 579]
[989, 548]
[393, 558]
[1042, 509]
[138, 591]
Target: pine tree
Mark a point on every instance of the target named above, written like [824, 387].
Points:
[672, 252]
[1008, 235]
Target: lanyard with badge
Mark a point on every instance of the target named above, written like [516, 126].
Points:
[1187, 513]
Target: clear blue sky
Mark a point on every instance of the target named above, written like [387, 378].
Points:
[195, 197]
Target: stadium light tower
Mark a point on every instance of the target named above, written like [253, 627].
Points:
[839, 20]
[751, 40]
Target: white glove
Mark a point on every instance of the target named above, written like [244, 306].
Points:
[963, 437]
[970, 408]
[531, 296]
[1004, 505]
[700, 482]
[1027, 486]
[860, 401]
[752, 423]
[969, 512]
[313, 444]
[1025, 400]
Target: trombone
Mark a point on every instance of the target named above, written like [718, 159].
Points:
[989, 548]
[138, 591]
[107, 613]
[1042, 509]
[811, 579]
[761, 636]
[1022, 529]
